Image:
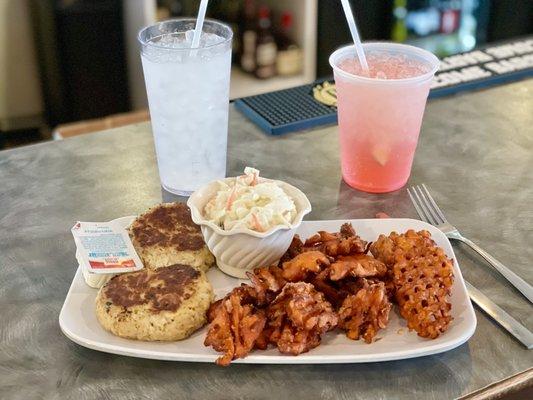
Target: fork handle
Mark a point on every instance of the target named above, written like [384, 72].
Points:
[523, 287]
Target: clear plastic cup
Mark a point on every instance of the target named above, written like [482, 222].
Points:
[380, 119]
[188, 96]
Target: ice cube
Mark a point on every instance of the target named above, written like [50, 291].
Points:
[189, 35]
[210, 39]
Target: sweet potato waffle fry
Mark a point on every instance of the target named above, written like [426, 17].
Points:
[422, 275]
[330, 281]
[234, 325]
[364, 313]
[298, 317]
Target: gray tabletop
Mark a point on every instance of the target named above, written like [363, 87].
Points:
[475, 152]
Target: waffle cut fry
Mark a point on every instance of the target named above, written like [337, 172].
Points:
[422, 275]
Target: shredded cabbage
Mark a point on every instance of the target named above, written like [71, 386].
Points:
[246, 202]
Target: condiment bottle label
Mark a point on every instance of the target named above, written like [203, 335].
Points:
[105, 248]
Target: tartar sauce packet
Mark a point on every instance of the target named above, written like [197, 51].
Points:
[95, 281]
[105, 248]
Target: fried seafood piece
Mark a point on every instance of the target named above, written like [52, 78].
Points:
[345, 242]
[298, 317]
[364, 313]
[213, 310]
[347, 230]
[295, 248]
[390, 289]
[299, 268]
[297, 341]
[263, 339]
[336, 291]
[339, 279]
[331, 290]
[267, 282]
[422, 275]
[384, 248]
[235, 325]
[356, 265]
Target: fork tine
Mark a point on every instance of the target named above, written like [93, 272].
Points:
[429, 207]
[434, 204]
[417, 208]
[422, 204]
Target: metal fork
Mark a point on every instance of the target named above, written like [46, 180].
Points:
[429, 212]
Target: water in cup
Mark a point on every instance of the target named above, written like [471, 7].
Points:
[188, 96]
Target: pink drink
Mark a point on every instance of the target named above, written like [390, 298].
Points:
[380, 113]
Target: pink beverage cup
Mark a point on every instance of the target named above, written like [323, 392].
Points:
[380, 119]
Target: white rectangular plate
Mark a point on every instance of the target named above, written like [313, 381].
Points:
[78, 320]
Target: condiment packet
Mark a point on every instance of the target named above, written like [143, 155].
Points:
[105, 248]
[93, 280]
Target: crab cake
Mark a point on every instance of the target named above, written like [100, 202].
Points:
[169, 303]
[166, 235]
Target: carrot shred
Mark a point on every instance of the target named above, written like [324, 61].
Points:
[254, 180]
[256, 224]
[231, 197]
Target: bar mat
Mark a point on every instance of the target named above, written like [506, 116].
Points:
[297, 109]
[287, 110]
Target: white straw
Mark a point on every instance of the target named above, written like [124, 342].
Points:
[355, 34]
[199, 24]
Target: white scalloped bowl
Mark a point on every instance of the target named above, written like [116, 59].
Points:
[240, 250]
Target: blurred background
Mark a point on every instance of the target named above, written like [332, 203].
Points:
[71, 67]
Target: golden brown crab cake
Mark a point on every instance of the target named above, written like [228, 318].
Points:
[169, 303]
[166, 235]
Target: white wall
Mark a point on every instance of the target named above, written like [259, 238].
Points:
[21, 104]
[137, 13]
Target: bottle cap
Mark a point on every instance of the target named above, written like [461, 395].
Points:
[264, 12]
[286, 20]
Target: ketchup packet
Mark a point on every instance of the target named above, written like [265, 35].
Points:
[105, 248]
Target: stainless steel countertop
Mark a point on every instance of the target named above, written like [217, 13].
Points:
[475, 152]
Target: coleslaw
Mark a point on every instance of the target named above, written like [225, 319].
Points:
[250, 203]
